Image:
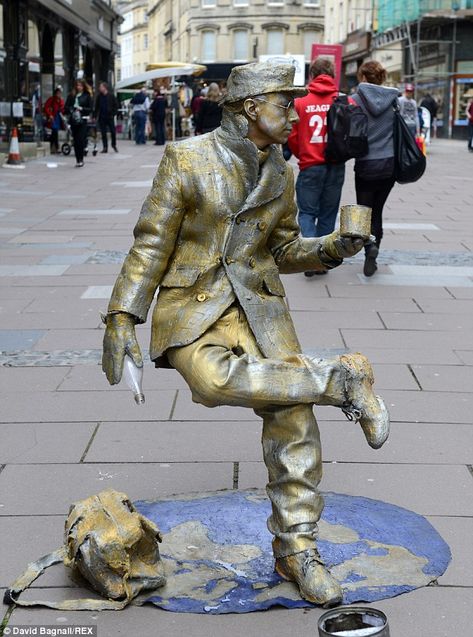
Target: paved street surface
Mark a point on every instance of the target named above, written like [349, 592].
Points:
[66, 434]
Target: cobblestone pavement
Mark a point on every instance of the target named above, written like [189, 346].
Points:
[65, 434]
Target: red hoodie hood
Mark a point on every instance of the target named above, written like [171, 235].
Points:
[322, 84]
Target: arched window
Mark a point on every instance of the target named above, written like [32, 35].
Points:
[310, 37]
[275, 42]
[209, 45]
[240, 45]
[33, 41]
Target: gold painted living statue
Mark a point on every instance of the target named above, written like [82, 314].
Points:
[215, 232]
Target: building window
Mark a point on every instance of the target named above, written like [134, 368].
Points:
[240, 3]
[240, 45]
[145, 41]
[275, 3]
[209, 3]
[312, 3]
[310, 38]
[341, 22]
[209, 46]
[275, 42]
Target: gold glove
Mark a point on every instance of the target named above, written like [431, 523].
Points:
[338, 247]
[119, 339]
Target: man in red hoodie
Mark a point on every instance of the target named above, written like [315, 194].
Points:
[319, 185]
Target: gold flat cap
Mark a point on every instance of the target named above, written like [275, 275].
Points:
[260, 78]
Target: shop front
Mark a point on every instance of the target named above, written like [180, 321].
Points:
[48, 44]
[355, 51]
[390, 56]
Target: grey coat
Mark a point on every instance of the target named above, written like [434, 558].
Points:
[377, 102]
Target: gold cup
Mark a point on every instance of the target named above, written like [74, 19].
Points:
[355, 221]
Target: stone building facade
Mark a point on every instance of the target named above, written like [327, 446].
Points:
[223, 33]
[133, 38]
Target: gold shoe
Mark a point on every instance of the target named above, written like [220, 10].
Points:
[315, 583]
[362, 404]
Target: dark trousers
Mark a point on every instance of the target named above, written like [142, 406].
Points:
[105, 124]
[54, 140]
[79, 135]
[470, 135]
[318, 190]
[159, 130]
[140, 126]
[373, 193]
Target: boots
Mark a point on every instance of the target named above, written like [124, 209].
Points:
[361, 403]
[371, 253]
[315, 583]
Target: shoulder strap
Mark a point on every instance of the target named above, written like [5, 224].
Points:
[35, 569]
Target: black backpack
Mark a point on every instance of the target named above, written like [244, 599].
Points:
[347, 131]
[409, 160]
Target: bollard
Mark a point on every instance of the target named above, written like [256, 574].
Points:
[353, 621]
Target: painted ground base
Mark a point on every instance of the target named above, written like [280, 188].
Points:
[218, 557]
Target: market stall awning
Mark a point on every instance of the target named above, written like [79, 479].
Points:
[161, 69]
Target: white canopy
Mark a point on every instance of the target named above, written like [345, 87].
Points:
[165, 69]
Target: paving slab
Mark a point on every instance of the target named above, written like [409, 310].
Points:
[457, 532]
[455, 321]
[176, 442]
[405, 338]
[14, 379]
[412, 406]
[408, 443]
[444, 378]
[49, 489]
[379, 291]
[465, 356]
[22, 443]
[439, 489]
[84, 406]
[19, 339]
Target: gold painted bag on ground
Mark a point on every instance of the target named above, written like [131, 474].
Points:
[111, 545]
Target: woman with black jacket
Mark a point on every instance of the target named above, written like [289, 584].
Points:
[79, 107]
[210, 112]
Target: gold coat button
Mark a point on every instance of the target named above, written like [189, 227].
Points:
[252, 262]
[201, 297]
[229, 260]
[262, 225]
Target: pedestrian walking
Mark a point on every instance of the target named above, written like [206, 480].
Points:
[430, 103]
[408, 109]
[158, 115]
[196, 103]
[53, 112]
[78, 108]
[105, 110]
[140, 104]
[374, 173]
[469, 116]
[319, 185]
[210, 112]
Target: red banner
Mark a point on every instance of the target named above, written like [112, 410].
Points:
[334, 53]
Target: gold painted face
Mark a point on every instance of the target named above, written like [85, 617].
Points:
[275, 116]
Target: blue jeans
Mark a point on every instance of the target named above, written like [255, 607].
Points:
[318, 190]
[140, 125]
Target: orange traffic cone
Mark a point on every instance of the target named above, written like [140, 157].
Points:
[14, 158]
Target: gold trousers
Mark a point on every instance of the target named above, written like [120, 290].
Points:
[225, 367]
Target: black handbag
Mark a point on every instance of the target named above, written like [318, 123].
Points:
[409, 160]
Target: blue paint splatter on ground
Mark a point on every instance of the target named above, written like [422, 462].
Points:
[235, 518]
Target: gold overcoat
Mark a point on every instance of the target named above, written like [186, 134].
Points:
[217, 228]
